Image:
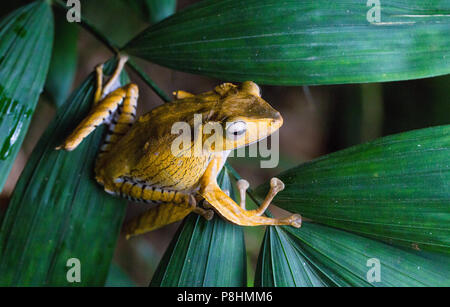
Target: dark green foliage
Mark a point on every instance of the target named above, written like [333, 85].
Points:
[26, 39]
[58, 211]
[395, 189]
[302, 42]
[63, 65]
[281, 263]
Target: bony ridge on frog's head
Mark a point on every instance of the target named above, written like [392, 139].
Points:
[244, 116]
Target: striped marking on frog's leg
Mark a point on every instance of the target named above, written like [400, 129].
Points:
[122, 118]
[172, 205]
[118, 109]
[102, 110]
[140, 191]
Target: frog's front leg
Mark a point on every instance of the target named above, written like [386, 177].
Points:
[235, 213]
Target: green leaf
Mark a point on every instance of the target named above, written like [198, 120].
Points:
[281, 264]
[26, 38]
[395, 189]
[346, 259]
[302, 42]
[58, 211]
[205, 253]
[116, 21]
[63, 65]
[159, 10]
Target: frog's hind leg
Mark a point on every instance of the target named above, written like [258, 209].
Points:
[117, 109]
[162, 215]
[120, 106]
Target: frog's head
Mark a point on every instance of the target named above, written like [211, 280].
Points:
[245, 117]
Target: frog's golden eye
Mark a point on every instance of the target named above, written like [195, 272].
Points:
[236, 129]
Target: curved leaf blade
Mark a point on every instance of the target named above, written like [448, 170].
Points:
[26, 39]
[347, 259]
[302, 42]
[395, 189]
[281, 264]
[63, 65]
[57, 211]
[204, 253]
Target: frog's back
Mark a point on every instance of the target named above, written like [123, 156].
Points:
[161, 168]
[145, 153]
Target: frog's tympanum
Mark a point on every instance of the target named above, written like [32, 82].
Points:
[137, 160]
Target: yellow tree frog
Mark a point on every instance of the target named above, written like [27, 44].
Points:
[136, 160]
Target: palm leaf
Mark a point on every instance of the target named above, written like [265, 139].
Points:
[26, 38]
[302, 42]
[281, 264]
[346, 259]
[395, 188]
[63, 65]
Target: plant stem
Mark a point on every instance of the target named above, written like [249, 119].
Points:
[91, 29]
[131, 63]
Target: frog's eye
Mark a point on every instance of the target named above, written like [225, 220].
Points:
[236, 129]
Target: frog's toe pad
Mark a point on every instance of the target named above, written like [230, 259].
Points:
[296, 220]
[209, 214]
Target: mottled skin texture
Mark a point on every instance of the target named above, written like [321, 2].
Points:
[137, 160]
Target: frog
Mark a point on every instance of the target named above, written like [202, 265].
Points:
[137, 160]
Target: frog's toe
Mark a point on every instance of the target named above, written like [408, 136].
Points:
[206, 204]
[209, 214]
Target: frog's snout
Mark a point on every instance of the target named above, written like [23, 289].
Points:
[277, 120]
[277, 116]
